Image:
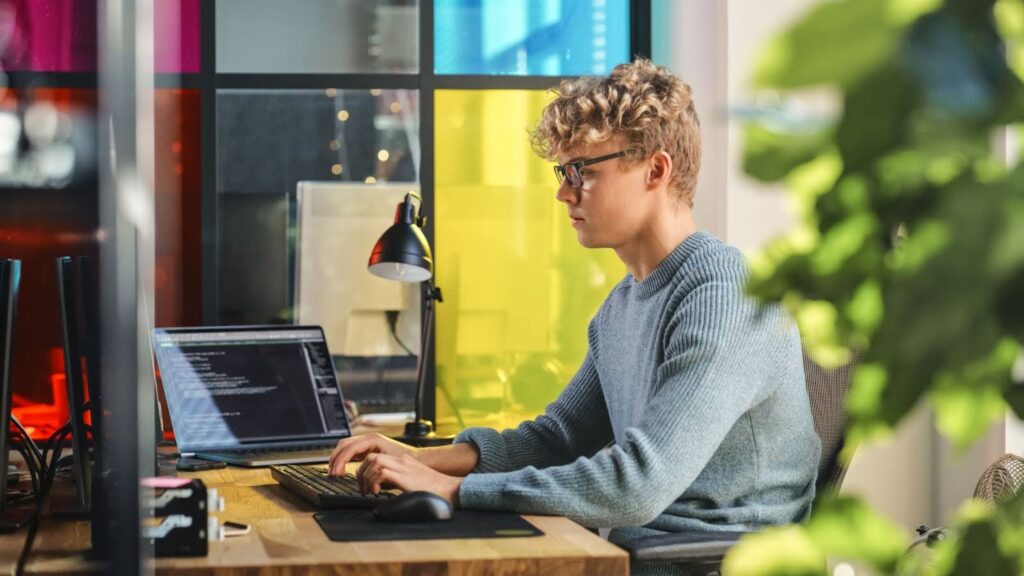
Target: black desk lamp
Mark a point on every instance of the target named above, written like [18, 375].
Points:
[402, 254]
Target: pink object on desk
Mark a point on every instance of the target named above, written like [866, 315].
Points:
[165, 482]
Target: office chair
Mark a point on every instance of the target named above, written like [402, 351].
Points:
[1002, 480]
[701, 553]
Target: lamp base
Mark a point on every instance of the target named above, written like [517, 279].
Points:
[420, 433]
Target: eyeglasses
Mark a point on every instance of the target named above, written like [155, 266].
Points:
[571, 170]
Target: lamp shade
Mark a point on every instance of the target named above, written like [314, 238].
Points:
[402, 253]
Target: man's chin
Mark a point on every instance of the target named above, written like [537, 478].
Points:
[588, 241]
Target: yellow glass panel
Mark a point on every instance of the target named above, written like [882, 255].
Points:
[518, 289]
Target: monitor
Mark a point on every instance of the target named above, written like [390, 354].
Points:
[338, 225]
[10, 278]
[373, 324]
[70, 308]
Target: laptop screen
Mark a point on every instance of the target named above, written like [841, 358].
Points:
[231, 387]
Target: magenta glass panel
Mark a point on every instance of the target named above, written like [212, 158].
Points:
[48, 35]
[176, 36]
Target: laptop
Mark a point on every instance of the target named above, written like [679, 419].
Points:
[251, 395]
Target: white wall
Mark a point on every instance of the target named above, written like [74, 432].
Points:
[677, 28]
[915, 477]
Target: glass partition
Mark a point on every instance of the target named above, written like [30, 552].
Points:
[48, 208]
[48, 35]
[317, 36]
[176, 42]
[270, 140]
[530, 37]
[519, 290]
[177, 284]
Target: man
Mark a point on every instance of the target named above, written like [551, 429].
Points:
[689, 411]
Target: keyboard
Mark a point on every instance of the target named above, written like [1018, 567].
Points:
[312, 483]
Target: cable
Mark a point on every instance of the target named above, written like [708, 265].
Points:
[55, 442]
[53, 439]
[392, 316]
[451, 402]
[33, 467]
[28, 450]
[32, 445]
[29, 455]
[17, 444]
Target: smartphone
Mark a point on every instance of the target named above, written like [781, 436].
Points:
[186, 464]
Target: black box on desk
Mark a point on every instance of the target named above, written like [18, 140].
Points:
[180, 522]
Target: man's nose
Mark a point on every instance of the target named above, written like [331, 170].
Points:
[567, 193]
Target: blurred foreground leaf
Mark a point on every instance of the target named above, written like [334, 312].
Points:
[910, 250]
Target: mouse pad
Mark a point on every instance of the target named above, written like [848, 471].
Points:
[359, 526]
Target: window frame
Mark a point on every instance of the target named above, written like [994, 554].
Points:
[426, 83]
[208, 81]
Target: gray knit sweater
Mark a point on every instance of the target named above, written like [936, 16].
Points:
[689, 412]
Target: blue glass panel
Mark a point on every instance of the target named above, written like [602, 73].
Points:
[530, 37]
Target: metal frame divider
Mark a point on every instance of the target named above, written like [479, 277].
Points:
[426, 82]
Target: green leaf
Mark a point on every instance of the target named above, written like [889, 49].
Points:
[785, 551]
[931, 306]
[770, 155]
[837, 42]
[968, 402]
[1008, 260]
[842, 242]
[875, 115]
[979, 553]
[1014, 397]
[865, 397]
[865, 308]
[911, 247]
[846, 527]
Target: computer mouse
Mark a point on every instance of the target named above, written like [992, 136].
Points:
[415, 506]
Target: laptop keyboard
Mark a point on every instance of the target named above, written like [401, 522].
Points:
[313, 483]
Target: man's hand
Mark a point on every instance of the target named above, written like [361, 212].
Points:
[405, 472]
[359, 447]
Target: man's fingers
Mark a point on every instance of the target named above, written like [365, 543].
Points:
[371, 478]
[382, 476]
[342, 458]
[362, 471]
[334, 453]
[366, 471]
[349, 450]
[379, 472]
[340, 455]
[385, 477]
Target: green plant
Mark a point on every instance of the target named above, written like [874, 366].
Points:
[911, 247]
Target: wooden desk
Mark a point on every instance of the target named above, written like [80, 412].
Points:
[286, 540]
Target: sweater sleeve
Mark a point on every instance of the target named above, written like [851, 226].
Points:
[575, 424]
[706, 381]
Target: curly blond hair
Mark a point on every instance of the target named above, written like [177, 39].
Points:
[645, 105]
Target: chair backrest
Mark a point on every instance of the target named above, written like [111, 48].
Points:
[826, 388]
[1001, 481]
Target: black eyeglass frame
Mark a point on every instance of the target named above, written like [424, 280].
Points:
[571, 170]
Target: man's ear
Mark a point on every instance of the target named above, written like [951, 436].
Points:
[659, 169]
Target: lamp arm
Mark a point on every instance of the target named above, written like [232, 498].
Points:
[421, 372]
